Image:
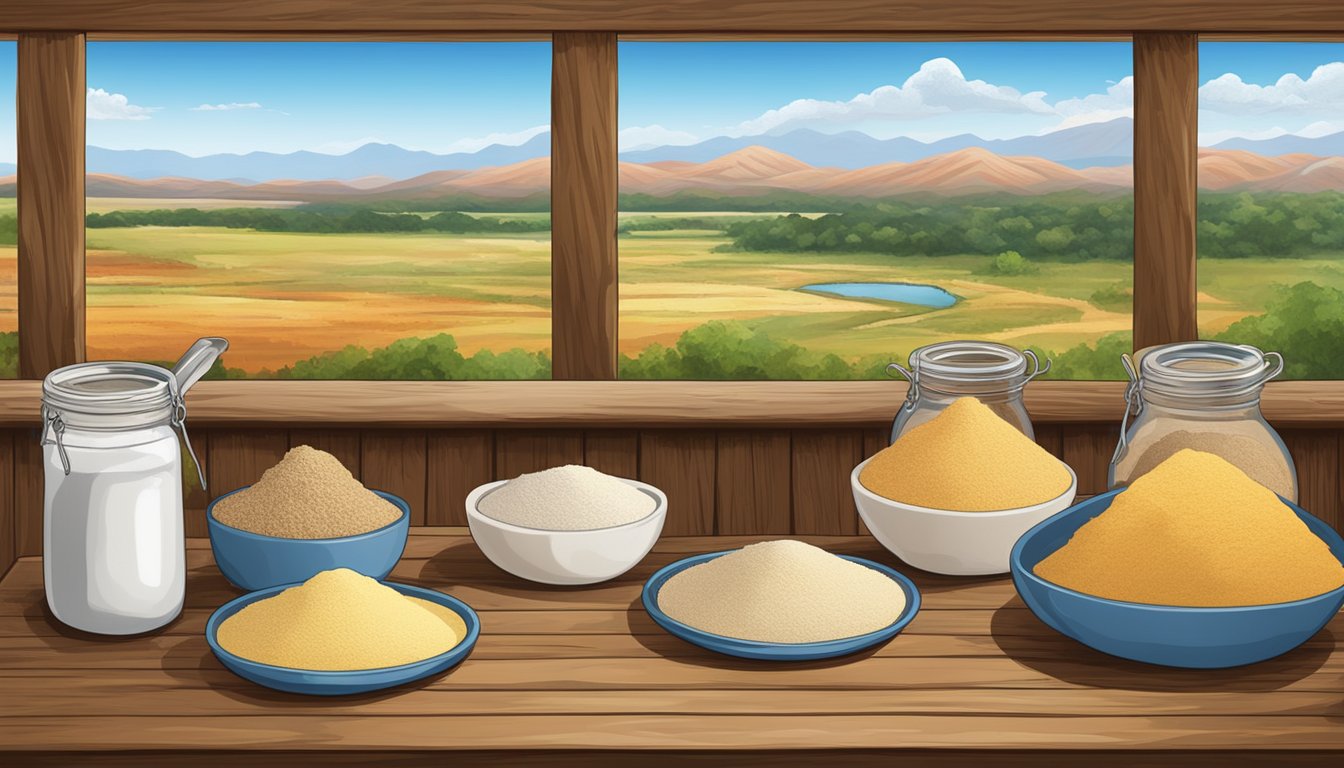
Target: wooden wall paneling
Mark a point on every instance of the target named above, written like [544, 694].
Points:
[823, 501]
[458, 461]
[50, 115]
[1166, 107]
[874, 440]
[397, 462]
[9, 524]
[29, 491]
[681, 463]
[615, 452]
[344, 444]
[754, 485]
[195, 498]
[532, 450]
[1316, 453]
[1051, 438]
[1088, 448]
[237, 457]
[583, 205]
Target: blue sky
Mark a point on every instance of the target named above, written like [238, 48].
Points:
[202, 98]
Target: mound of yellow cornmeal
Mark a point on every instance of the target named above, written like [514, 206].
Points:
[966, 459]
[341, 620]
[1195, 531]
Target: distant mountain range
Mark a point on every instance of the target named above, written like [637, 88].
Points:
[1107, 144]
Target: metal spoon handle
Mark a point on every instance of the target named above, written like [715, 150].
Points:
[197, 361]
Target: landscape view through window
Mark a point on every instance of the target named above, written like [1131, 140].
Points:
[336, 210]
[1271, 201]
[817, 210]
[9, 223]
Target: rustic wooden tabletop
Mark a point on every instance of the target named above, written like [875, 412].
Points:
[583, 672]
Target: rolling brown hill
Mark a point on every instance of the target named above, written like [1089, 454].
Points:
[755, 170]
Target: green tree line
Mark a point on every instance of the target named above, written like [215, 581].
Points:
[362, 220]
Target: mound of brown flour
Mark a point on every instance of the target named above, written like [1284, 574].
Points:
[308, 495]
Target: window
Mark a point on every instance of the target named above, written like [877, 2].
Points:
[9, 215]
[816, 210]
[336, 210]
[1271, 201]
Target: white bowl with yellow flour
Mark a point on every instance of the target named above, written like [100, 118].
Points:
[567, 525]
[952, 543]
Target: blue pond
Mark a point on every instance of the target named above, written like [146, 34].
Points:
[906, 293]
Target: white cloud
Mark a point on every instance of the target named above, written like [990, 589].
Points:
[1210, 138]
[1321, 128]
[1229, 94]
[646, 136]
[513, 139]
[101, 105]
[226, 107]
[1116, 102]
[938, 88]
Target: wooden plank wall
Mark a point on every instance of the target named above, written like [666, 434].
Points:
[736, 481]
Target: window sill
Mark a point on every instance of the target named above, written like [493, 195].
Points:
[634, 403]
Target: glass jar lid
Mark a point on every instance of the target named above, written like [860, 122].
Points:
[1200, 369]
[968, 367]
[110, 394]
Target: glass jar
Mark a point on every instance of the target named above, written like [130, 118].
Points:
[1203, 395]
[995, 374]
[113, 552]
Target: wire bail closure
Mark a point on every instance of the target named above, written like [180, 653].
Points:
[53, 422]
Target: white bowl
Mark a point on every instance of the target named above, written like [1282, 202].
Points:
[565, 557]
[952, 543]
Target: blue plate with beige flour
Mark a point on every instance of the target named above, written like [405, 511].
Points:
[321, 683]
[755, 649]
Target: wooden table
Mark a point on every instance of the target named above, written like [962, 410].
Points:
[584, 673]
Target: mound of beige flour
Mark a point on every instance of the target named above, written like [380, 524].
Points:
[782, 592]
[568, 498]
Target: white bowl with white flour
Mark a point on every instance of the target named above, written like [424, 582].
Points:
[568, 525]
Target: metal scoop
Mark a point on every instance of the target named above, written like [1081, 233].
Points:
[189, 370]
[197, 361]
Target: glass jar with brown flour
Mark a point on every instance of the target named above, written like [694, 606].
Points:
[1203, 395]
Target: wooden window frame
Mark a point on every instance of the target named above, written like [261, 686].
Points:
[1164, 34]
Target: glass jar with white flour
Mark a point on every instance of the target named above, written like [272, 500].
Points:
[113, 552]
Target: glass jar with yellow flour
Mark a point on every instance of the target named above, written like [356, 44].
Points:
[939, 374]
[1202, 395]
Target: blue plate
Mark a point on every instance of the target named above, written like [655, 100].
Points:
[1197, 638]
[252, 561]
[755, 649]
[341, 683]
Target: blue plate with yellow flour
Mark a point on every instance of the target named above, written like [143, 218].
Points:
[755, 649]
[319, 683]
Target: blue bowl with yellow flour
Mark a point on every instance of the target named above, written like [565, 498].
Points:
[254, 561]
[1196, 638]
[323, 683]
[755, 649]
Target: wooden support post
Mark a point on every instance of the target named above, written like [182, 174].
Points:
[583, 206]
[1166, 114]
[51, 201]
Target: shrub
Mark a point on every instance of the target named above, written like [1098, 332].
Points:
[1010, 263]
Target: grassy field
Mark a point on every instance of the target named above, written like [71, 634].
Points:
[280, 297]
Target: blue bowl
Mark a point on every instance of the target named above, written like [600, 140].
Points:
[320, 683]
[755, 649]
[1195, 638]
[252, 561]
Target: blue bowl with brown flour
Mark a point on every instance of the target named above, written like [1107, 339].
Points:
[255, 561]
